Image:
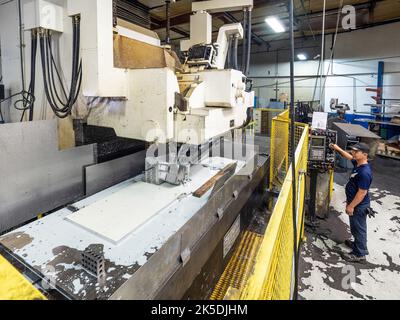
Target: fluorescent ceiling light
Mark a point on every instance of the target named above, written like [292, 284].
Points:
[275, 24]
[301, 56]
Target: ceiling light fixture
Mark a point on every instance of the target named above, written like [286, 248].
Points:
[302, 56]
[275, 24]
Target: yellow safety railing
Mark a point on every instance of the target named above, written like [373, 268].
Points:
[271, 277]
[279, 151]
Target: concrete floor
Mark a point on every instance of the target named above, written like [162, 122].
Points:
[323, 272]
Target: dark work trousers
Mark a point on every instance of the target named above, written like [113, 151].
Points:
[358, 228]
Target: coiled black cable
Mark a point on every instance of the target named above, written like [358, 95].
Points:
[61, 106]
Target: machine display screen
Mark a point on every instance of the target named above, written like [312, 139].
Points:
[318, 142]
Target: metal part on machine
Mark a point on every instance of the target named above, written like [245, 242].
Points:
[158, 172]
[201, 32]
[185, 256]
[213, 55]
[226, 176]
[174, 166]
[93, 262]
[202, 55]
[181, 103]
[341, 108]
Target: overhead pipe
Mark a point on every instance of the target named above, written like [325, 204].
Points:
[230, 51]
[235, 51]
[244, 40]
[21, 45]
[248, 38]
[168, 18]
[321, 98]
[292, 151]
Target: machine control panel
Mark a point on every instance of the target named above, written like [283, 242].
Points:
[320, 156]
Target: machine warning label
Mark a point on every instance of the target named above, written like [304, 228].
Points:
[231, 236]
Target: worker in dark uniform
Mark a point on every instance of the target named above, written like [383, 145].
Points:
[357, 199]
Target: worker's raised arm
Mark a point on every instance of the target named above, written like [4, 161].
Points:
[343, 153]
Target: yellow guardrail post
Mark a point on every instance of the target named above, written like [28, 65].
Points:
[332, 174]
[272, 156]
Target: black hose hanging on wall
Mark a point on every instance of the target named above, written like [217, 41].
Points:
[29, 102]
[61, 106]
[33, 73]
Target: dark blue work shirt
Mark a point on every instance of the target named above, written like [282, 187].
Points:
[361, 178]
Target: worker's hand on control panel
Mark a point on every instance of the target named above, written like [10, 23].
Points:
[334, 146]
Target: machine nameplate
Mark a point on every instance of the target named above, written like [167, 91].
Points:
[231, 236]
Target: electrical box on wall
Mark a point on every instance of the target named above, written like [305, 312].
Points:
[43, 14]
